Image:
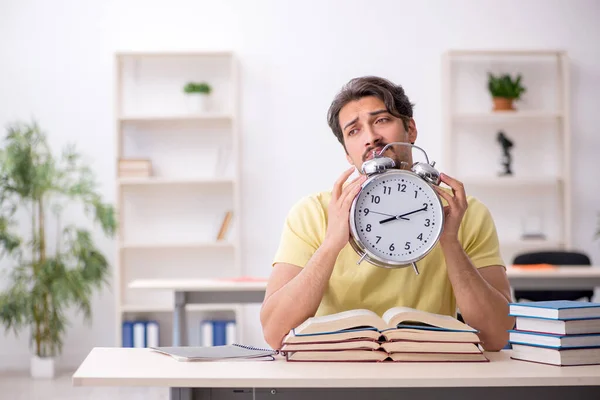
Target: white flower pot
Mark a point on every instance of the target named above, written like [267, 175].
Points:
[197, 102]
[42, 368]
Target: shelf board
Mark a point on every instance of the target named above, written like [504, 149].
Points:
[182, 245]
[531, 243]
[177, 118]
[173, 181]
[177, 53]
[506, 52]
[506, 116]
[169, 308]
[511, 181]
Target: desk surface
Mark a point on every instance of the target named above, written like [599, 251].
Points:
[143, 367]
[210, 285]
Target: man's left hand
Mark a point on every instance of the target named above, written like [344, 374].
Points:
[455, 210]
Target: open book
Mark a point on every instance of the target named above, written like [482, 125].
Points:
[394, 318]
[401, 334]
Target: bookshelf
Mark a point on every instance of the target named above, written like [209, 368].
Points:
[537, 197]
[171, 213]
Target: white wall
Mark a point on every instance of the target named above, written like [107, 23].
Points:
[56, 65]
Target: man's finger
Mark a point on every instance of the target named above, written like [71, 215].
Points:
[447, 196]
[351, 190]
[337, 187]
[457, 187]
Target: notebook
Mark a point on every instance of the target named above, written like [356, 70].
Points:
[230, 352]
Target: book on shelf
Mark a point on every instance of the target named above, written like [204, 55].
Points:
[140, 333]
[135, 167]
[400, 334]
[225, 226]
[556, 332]
[217, 332]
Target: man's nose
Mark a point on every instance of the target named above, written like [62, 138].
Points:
[371, 137]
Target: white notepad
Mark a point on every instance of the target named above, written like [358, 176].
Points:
[230, 352]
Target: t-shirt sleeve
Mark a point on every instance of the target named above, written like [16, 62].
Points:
[303, 232]
[479, 235]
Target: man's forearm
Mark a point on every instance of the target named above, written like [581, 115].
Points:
[481, 305]
[299, 299]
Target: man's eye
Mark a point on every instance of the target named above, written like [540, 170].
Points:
[384, 119]
[352, 132]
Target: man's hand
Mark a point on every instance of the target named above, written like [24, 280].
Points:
[455, 210]
[338, 227]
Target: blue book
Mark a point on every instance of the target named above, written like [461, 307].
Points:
[219, 333]
[556, 309]
[127, 334]
[554, 341]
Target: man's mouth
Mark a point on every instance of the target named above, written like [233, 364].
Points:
[369, 154]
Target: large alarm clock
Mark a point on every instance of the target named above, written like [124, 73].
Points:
[398, 217]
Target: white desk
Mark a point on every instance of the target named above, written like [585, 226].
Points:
[560, 278]
[202, 291]
[206, 291]
[501, 378]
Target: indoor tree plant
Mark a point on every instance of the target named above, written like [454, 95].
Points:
[505, 90]
[197, 93]
[51, 267]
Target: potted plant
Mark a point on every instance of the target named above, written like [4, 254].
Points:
[55, 264]
[197, 94]
[505, 90]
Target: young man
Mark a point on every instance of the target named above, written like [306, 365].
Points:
[315, 272]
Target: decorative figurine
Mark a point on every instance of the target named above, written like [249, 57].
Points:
[506, 144]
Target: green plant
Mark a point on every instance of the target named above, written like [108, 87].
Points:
[46, 280]
[504, 86]
[193, 87]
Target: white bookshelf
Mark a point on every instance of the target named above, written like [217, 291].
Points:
[540, 187]
[169, 221]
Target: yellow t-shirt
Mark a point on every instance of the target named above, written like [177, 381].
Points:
[367, 286]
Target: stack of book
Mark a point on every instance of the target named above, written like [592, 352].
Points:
[402, 334]
[556, 332]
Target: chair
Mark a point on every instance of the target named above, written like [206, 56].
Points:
[555, 258]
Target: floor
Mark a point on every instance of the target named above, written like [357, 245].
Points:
[19, 386]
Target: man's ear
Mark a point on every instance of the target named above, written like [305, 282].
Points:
[412, 131]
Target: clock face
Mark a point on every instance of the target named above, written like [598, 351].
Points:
[397, 217]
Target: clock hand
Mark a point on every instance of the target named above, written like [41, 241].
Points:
[387, 215]
[401, 216]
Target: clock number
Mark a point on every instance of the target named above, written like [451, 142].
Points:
[427, 222]
[420, 237]
[401, 187]
[368, 228]
[425, 206]
[392, 248]
[375, 199]
[366, 210]
[407, 246]
[378, 239]
[416, 192]
[387, 190]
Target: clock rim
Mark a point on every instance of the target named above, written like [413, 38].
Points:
[364, 252]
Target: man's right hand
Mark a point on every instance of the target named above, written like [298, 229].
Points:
[338, 226]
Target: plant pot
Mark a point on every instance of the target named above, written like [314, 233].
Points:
[42, 367]
[197, 102]
[503, 104]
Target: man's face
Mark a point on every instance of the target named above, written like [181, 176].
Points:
[367, 126]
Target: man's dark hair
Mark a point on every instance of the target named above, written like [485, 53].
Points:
[393, 96]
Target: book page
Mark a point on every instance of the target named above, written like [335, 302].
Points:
[409, 316]
[340, 321]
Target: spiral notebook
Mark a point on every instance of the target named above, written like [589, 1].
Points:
[230, 352]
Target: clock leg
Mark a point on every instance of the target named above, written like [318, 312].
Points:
[415, 268]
